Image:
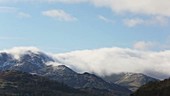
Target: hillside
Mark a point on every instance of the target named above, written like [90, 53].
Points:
[15, 83]
[160, 88]
[85, 81]
[132, 81]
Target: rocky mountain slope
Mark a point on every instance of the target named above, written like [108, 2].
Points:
[64, 74]
[27, 61]
[132, 81]
[15, 83]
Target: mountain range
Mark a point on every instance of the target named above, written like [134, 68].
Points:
[37, 63]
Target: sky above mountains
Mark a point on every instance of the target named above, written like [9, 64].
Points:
[67, 25]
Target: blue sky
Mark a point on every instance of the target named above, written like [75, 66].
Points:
[67, 25]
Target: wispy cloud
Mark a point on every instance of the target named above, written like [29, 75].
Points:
[133, 22]
[159, 10]
[15, 11]
[157, 20]
[105, 19]
[144, 45]
[24, 15]
[59, 14]
[5, 9]
[152, 45]
[11, 38]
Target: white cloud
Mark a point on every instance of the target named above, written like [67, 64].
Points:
[133, 22]
[15, 11]
[146, 7]
[143, 45]
[159, 10]
[152, 45]
[113, 60]
[59, 15]
[158, 20]
[24, 15]
[105, 19]
[7, 9]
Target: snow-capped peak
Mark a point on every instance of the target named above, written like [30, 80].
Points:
[16, 52]
[24, 58]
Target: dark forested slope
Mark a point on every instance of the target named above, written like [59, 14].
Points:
[15, 83]
[161, 88]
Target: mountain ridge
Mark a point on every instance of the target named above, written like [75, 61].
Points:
[81, 81]
[132, 81]
[38, 63]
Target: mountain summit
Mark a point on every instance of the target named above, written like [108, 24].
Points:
[132, 81]
[27, 60]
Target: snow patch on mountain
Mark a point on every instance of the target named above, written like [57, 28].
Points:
[16, 52]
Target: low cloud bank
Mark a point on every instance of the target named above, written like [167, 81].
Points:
[106, 61]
